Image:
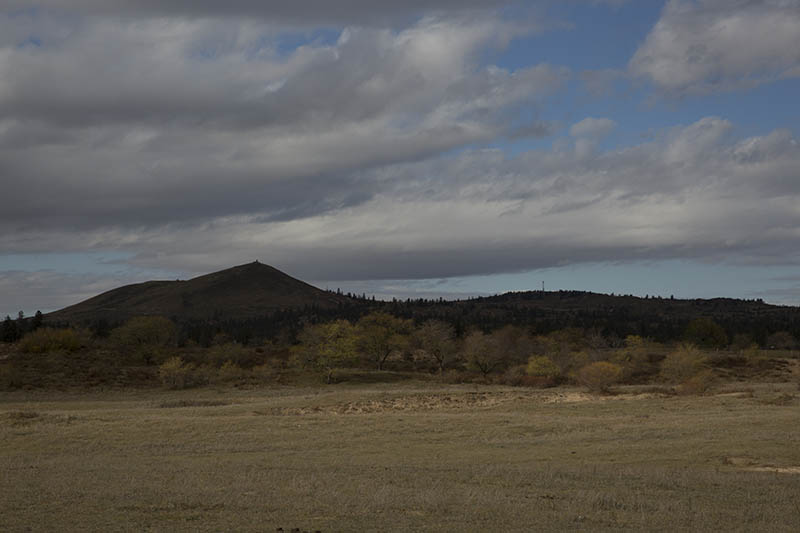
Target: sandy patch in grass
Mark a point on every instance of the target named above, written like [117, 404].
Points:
[449, 401]
[24, 418]
[749, 464]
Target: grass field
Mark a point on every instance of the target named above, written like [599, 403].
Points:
[400, 457]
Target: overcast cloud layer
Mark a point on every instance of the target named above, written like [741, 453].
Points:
[198, 135]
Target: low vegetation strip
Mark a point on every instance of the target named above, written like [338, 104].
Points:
[150, 351]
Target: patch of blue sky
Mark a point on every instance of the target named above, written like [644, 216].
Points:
[31, 12]
[605, 37]
[30, 42]
[73, 263]
[586, 37]
[287, 43]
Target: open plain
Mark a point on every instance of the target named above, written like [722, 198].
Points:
[410, 456]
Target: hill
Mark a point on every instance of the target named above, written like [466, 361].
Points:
[663, 319]
[239, 293]
[257, 301]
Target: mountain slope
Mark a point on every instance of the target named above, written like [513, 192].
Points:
[240, 292]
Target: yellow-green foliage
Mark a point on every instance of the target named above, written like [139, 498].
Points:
[542, 366]
[175, 374]
[45, 340]
[380, 335]
[683, 363]
[634, 356]
[328, 346]
[599, 376]
[230, 371]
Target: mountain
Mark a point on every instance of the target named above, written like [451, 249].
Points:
[237, 293]
[258, 301]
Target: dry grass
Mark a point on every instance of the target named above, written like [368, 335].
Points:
[399, 457]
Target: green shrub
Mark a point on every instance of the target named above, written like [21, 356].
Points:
[144, 338]
[543, 367]
[706, 333]
[175, 374]
[634, 357]
[46, 340]
[600, 376]
[683, 363]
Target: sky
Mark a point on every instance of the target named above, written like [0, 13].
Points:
[415, 148]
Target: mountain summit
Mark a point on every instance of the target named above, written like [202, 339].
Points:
[244, 291]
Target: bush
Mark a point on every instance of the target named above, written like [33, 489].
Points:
[683, 364]
[233, 352]
[230, 371]
[175, 374]
[697, 384]
[706, 333]
[45, 340]
[543, 367]
[634, 357]
[144, 338]
[600, 376]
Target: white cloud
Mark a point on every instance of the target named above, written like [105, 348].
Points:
[700, 46]
[593, 127]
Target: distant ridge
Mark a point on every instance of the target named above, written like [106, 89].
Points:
[241, 292]
[256, 300]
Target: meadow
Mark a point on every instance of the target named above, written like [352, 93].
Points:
[407, 456]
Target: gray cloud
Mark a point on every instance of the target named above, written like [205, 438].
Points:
[301, 12]
[160, 136]
[693, 193]
[700, 46]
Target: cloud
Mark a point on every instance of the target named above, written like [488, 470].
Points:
[692, 193]
[300, 12]
[186, 120]
[702, 46]
[593, 127]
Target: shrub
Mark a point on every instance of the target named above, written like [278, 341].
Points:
[230, 371]
[706, 333]
[175, 374]
[242, 356]
[697, 384]
[543, 367]
[144, 337]
[45, 340]
[684, 363]
[513, 376]
[634, 357]
[600, 376]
